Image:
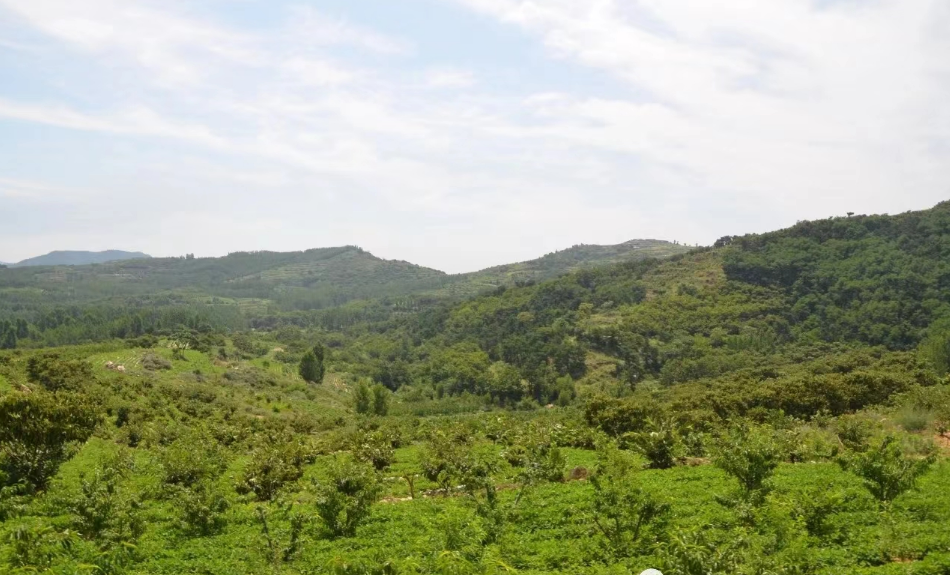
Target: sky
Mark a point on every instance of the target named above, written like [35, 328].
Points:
[460, 134]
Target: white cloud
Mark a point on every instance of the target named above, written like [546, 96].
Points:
[449, 78]
[311, 29]
[815, 107]
[729, 117]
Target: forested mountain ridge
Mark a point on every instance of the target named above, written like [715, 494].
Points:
[752, 301]
[559, 263]
[260, 286]
[80, 258]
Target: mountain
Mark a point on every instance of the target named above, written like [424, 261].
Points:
[559, 263]
[826, 316]
[79, 258]
[311, 279]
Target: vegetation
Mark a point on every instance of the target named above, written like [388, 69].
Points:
[776, 404]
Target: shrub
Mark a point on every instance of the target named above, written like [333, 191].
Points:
[282, 544]
[374, 448]
[886, 470]
[623, 512]
[658, 443]
[273, 464]
[380, 400]
[37, 431]
[55, 373]
[855, 431]
[345, 498]
[691, 553]
[202, 508]
[363, 398]
[191, 459]
[441, 460]
[914, 420]
[153, 362]
[102, 509]
[750, 455]
[816, 509]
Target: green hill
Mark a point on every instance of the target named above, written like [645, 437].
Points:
[328, 276]
[559, 263]
[79, 258]
[875, 283]
[263, 287]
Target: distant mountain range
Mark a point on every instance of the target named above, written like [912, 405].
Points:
[311, 279]
[79, 258]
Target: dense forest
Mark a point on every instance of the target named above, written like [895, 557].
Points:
[773, 404]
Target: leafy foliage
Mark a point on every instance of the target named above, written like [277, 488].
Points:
[344, 500]
[37, 431]
[887, 471]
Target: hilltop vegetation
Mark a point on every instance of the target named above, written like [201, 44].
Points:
[90, 303]
[77, 258]
[778, 403]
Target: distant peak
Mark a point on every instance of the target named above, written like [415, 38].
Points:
[79, 258]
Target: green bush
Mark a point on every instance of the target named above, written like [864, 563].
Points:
[345, 498]
[273, 464]
[629, 517]
[154, 362]
[191, 459]
[887, 470]
[103, 509]
[381, 400]
[38, 431]
[442, 459]
[55, 373]
[202, 507]
[659, 443]
[374, 448]
[750, 455]
[363, 398]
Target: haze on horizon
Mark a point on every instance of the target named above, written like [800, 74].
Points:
[460, 134]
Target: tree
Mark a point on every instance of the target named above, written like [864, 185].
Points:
[750, 455]
[22, 329]
[886, 470]
[504, 383]
[623, 512]
[311, 365]
[309, 368]
[380, 400]
[274, 463]
[659, 443]
[345, 498]
[363, 398]
[182, 339]
[56, 374]
[36, 431]
[8, 339]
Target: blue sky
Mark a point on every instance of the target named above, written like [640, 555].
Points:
[460, 134]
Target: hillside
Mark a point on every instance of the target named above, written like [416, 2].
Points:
[778, 403]
[318, 278]
[262, 287]
[80, 258]
[559, 263]
[811, 291]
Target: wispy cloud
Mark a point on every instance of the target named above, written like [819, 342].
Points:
[719, 119]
